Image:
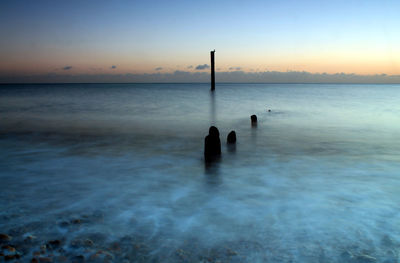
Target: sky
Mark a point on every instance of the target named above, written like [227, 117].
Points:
[156, 40]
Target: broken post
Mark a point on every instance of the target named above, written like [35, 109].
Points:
[212, 70]
[212, 145]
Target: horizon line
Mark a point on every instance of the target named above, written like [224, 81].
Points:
[200, 83]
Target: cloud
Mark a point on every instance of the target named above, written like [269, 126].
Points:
[189, 67]
[67, 67]
[235, 68]
[158, 69]
[113, 67]
[203, 77]
[202, 67]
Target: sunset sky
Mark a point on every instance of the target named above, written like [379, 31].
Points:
[137, 37]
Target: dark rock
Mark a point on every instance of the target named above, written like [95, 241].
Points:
[269, 110]
[29, 238]
[115, 246]
[78, 259]
[212, 144]
[63, 224]
[43, 247]
[101, 256]
[76, 221]
[231, 137]
[76, 243]
[8, 248]
[54, 243]
[253, 119]
[45, 259]
[97, 238]
[61, 258]
[88, 243]
[5, 237]
[10, 257]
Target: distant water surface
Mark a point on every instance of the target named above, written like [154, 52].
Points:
[316, 181]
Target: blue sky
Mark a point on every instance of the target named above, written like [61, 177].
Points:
[137, 37]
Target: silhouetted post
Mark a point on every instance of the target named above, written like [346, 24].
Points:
[253, 120]
[231, 137]
[212, 70]
[212, 145]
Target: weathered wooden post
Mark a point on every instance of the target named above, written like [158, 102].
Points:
[212, 145]
[212, 70]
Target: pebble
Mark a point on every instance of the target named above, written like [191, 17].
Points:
[29, 238]
[78, 259]
[8, 257]
[76, 243]
[76, 221]
[11, 257]
[105, 255]
[63, 224]
[115, 246]
[61, 259]
[88, 243]
[9, 248]
[5, 237]
[45, 259]
[54, 243]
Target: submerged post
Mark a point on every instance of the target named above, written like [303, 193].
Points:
[212, 70]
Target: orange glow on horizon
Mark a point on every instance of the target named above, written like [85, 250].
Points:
[331, 63]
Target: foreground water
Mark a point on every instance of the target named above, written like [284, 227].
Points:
[115, 172]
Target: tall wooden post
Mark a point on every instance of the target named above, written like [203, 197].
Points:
[212, 70]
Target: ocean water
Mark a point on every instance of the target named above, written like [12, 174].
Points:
[115, 173]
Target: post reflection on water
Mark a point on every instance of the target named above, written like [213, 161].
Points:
[213, 108]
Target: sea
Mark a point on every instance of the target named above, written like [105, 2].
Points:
[116, 173]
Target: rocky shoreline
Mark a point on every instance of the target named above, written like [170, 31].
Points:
[72, 239]
[71, 242]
